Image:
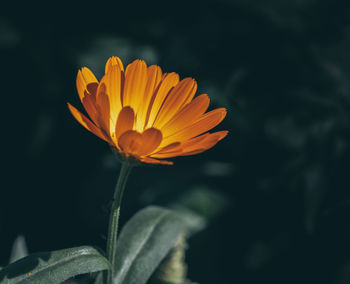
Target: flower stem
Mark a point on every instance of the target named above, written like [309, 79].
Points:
[113, 220]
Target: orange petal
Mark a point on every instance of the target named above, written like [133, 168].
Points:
[206, 144]
[183, 92]
[125, 121]
[203, 124]
[149, 160]
[112, 61]
[151, 139]
[130, 141]
[113, 83]
[135, 84]
[169, 148]
[204, 141]
[176, 148]
[187, 115]
[154, 76]
[91, 88]
[84, 78]
[85, 122]
[169, 81]
[194, 146]
[103, 111]
[90, 107]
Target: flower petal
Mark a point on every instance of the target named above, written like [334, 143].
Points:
[113, 82]
[169, 148]
[112, 61]
[146, 114]
[130, 142]
[154, 76]
[167, 151]
[133, 143]
[125, 121]
[182, 93]
[193, 146]
[208, 142]
[135, 84]
[103, 110]
[89, 103]
[168, 82]
[187, 115]
[85, 122]
[203, 124]
[151, 139]
[149, 160]
[84, 78]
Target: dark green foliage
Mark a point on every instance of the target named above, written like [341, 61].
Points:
[143, 243]
[53, 267]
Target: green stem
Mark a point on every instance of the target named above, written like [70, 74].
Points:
[113, 220]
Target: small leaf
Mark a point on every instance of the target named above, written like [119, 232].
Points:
[144, 242]
[53, 267]
[19, 249]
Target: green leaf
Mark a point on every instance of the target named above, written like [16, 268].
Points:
[19, 249]
[194, 222]
[99, 279]
[53, 267]
[144, 242]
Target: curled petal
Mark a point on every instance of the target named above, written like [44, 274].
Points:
[125, 121]
[151, 139]
[130, 142]
[103, 113]
[137, 144]
[86, 122]
[84, 78]
[89, 104]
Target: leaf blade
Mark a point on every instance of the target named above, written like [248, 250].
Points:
[144, 242]
[54, 267]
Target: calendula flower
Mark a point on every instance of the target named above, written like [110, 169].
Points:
[146, 115]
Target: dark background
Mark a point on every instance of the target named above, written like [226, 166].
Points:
[276, 191]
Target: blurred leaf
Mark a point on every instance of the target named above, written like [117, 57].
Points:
[99, 279]
[144, 241]
[173, 268]
[204, 201]
[54, 267]
[19, 249]
[193, 221]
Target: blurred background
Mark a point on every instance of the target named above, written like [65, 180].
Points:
[275, 193]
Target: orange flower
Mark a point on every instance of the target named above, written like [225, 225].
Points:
[146, 115]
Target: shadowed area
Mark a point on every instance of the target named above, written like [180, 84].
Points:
[275, 191]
